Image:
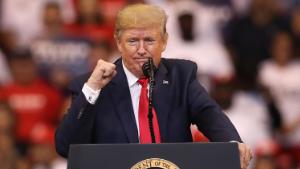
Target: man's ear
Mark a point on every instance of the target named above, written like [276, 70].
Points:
[117, 42]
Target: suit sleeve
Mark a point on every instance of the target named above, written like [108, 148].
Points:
[207, 115]
[77, 125]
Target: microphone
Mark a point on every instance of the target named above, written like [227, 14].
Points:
[148, 70]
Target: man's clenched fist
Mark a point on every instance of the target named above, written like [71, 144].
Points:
[102, 74]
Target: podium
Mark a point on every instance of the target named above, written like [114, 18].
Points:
[154, 156]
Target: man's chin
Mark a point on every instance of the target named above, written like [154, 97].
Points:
[141, 64]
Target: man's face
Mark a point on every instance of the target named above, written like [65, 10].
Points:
[138, 44]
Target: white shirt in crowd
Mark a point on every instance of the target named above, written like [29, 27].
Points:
[24, 17]
[284, 86]
[206, 50]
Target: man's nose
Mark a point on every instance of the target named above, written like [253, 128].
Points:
[141, 48]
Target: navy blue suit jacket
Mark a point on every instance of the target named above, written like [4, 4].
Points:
[178, 99]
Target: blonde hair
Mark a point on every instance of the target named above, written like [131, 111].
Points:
[140, 16]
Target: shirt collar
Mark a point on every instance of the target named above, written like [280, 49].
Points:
[131, 78]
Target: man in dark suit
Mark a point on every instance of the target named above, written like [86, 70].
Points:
[105, 105]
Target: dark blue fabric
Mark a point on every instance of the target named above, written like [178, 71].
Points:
[179, 100]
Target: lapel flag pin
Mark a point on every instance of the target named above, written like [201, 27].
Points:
[165, 82]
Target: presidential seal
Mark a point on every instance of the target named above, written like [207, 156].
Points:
[155, 163]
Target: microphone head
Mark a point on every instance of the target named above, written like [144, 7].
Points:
[148, 68]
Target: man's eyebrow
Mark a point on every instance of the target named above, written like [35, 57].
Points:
[149, 38]
[132, 38]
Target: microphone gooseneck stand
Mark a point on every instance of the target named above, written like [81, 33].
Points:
[148, 69]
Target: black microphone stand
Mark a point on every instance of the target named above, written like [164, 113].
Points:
[148, 69]
[151, 86]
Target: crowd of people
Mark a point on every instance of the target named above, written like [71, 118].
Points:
[247, 52]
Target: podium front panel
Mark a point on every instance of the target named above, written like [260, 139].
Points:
[154, 156]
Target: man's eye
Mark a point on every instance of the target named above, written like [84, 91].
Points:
[150, 41]
[132, 41]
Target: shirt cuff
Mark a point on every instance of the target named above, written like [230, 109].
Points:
[90, 94]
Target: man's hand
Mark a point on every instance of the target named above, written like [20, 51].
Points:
[102, 74]
[245, 155]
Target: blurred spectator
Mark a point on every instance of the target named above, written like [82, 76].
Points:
[159, 2]
[9, 157]
[136, 1]
[33, 101]
[24, 17]
[7, 120]
[216, 2]
[265, 162]
[239, 102]
[110, 9]
[288, 5]
[41, 153]
[89, 12]
[248, 37]
[279, 76]
[247, 111]
[52, 21]
[90, 22]
[295, 29]
[5, 76]
[194, 30]
[240, 7]
[43, 156]
[59, 57]
[8, 41]
[100, 50]
[17, 14]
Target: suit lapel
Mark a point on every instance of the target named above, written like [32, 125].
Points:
[120, 95]
[122, 100]
[162, 99]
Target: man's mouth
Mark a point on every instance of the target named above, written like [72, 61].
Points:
[141, 61]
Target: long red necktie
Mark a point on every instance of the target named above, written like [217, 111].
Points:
[145, 135]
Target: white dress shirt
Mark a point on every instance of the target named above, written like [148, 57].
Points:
[135, 91]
